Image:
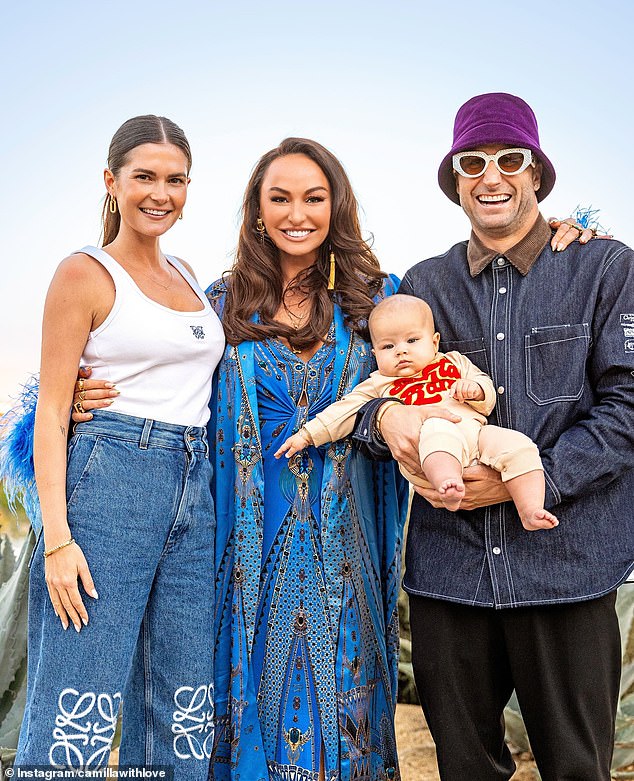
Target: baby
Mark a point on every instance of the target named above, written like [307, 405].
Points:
[411, 369]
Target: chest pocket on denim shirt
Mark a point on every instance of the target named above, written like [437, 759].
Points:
[474, 349]
[556, 362]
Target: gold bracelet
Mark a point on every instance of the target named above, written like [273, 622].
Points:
[382, 410]
[47, 553]
[305, 433]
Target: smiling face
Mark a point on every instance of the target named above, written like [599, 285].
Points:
[150, 188]
[295, 206]
[403, 338]
[500, 208]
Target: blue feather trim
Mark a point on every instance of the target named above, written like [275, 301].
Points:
[16, 454]
[587, 217]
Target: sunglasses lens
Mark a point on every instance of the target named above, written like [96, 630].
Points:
[472, 165]
[511, 163]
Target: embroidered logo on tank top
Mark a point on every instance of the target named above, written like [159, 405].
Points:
[428, 387]
[198, 332]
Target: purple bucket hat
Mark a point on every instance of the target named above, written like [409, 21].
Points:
[495, 118]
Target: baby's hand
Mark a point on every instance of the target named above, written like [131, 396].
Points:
[466, 390]
[293, 445]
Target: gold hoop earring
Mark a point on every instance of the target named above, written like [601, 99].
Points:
[113, 205]
[332, 270]
[260, 228]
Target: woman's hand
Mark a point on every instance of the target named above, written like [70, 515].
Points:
[91, 394]
[62, 569]
[400, 428]
[483, 487]
[569, 230]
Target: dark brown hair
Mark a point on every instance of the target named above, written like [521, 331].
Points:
[255, 282]
[147, 129]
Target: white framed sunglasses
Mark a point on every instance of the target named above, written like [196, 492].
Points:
[508, 162]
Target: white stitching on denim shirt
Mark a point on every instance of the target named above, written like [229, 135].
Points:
[609, 260]
[553, 487]
[488, 521]
[508, 306]
[530, 392]
[474, 601]
[559, 341]
[507, 564]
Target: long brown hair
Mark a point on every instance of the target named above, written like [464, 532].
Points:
[146, 129]
[255, 284]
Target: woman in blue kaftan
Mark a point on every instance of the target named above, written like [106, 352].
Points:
[307, 564]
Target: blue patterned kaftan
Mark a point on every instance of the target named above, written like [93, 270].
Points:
[308, 566]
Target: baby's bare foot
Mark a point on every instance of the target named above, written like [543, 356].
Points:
[539, 519]
[451, 493]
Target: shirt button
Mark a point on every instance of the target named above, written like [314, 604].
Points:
[501, 389]
[501, 261]
[502, 290]
[499, 337]
[497, 550]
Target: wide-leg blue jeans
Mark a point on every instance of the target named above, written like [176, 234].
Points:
[140, 507]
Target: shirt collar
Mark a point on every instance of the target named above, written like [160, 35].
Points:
[522, 255]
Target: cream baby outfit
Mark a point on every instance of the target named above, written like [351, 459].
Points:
[509, 452]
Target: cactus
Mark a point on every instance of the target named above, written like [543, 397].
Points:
[7, 560]
[13, 625]
[624, 742]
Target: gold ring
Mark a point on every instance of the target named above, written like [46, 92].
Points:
[82, 395]
[576, 226]
[78, 407]
[80, 384]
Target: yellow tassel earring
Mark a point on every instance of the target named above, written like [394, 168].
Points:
[331, 274]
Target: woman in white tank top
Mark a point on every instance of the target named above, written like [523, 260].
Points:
[126, 554]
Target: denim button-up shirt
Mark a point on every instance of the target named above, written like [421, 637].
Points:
[558, 342]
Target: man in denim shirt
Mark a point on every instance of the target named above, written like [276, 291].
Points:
[493, 606]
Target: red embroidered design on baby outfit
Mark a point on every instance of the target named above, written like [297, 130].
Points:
[427, 387]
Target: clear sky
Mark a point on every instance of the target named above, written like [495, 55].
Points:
[377, 82]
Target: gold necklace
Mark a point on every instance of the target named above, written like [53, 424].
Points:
[297, 321]
[156, 282]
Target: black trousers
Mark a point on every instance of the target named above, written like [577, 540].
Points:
[564, 662]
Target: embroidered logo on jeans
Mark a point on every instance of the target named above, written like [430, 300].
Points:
[198, 332]
[192, 722]
[84, 728]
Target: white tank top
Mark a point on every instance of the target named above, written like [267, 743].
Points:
[160, 359]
